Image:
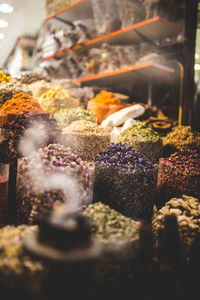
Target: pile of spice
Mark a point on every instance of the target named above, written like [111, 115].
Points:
[161, 125]
[104, 104]
[53, 173]
[85, 138]
[19, 271]
[3, 199]
[142, 138]
[65, 117]
[40, 129]
[125, 180]
[30, 77]
[39, 87]
[4, 77]
[179, 175]
[187, 211]
[120, 237]
[19, 104]
[57, 98]
[111, 226]
[181, 137]
[11, 88]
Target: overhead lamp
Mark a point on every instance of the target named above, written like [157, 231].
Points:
[1, 35]
[3, 23]
[6, 8]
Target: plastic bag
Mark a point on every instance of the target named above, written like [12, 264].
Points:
[130, 12]
[106, 16]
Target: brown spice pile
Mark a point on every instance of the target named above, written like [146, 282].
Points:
[85, 138]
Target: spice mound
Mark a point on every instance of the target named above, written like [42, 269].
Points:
[104, 104]
[182, 137]
[35, 130]
[20, 104]
[65, 117]
[63, 177]
[56, 99]
[112, 227]
[4, 77]
[179, 175]
[85, 138]
[125, 181]
[29, 77]
[187, 211]
[11, 88]
[143, 139]
[18, 271]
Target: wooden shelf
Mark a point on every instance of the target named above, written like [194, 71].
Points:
[146, 71]
[150, 29]
[80, 10]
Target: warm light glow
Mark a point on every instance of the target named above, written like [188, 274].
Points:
[6, 8]
[197, 56]
[197, 67]
[3, 23]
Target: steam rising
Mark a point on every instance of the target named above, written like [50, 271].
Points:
[34, 137]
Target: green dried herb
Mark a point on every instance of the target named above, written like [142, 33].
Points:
[65, 117]
[142, 138]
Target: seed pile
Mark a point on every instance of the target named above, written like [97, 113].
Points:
[187, 210]
[125, 181]
[111, 225]
[65, 117]
[3, 199]
[179, 175]
[182, 137]
[11, 88]
[17, 269]
[142, 138]
[28, 125]
[57, 98]
[40, 181]
[30, 77]
[85, 138]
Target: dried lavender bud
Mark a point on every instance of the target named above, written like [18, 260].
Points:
[36, 191]
[65, 117]
[142, 138]
[125, 180]
[182, 137]
[85, 138]
[187, 210]
[179, 175]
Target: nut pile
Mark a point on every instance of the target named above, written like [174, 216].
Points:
[17, 269]
[142, 138]
[187, 210]
[65, 117]
[125, 181]
[85, 138]
[182, 137]
[11, 88]
[53, 173]
[179, 175]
